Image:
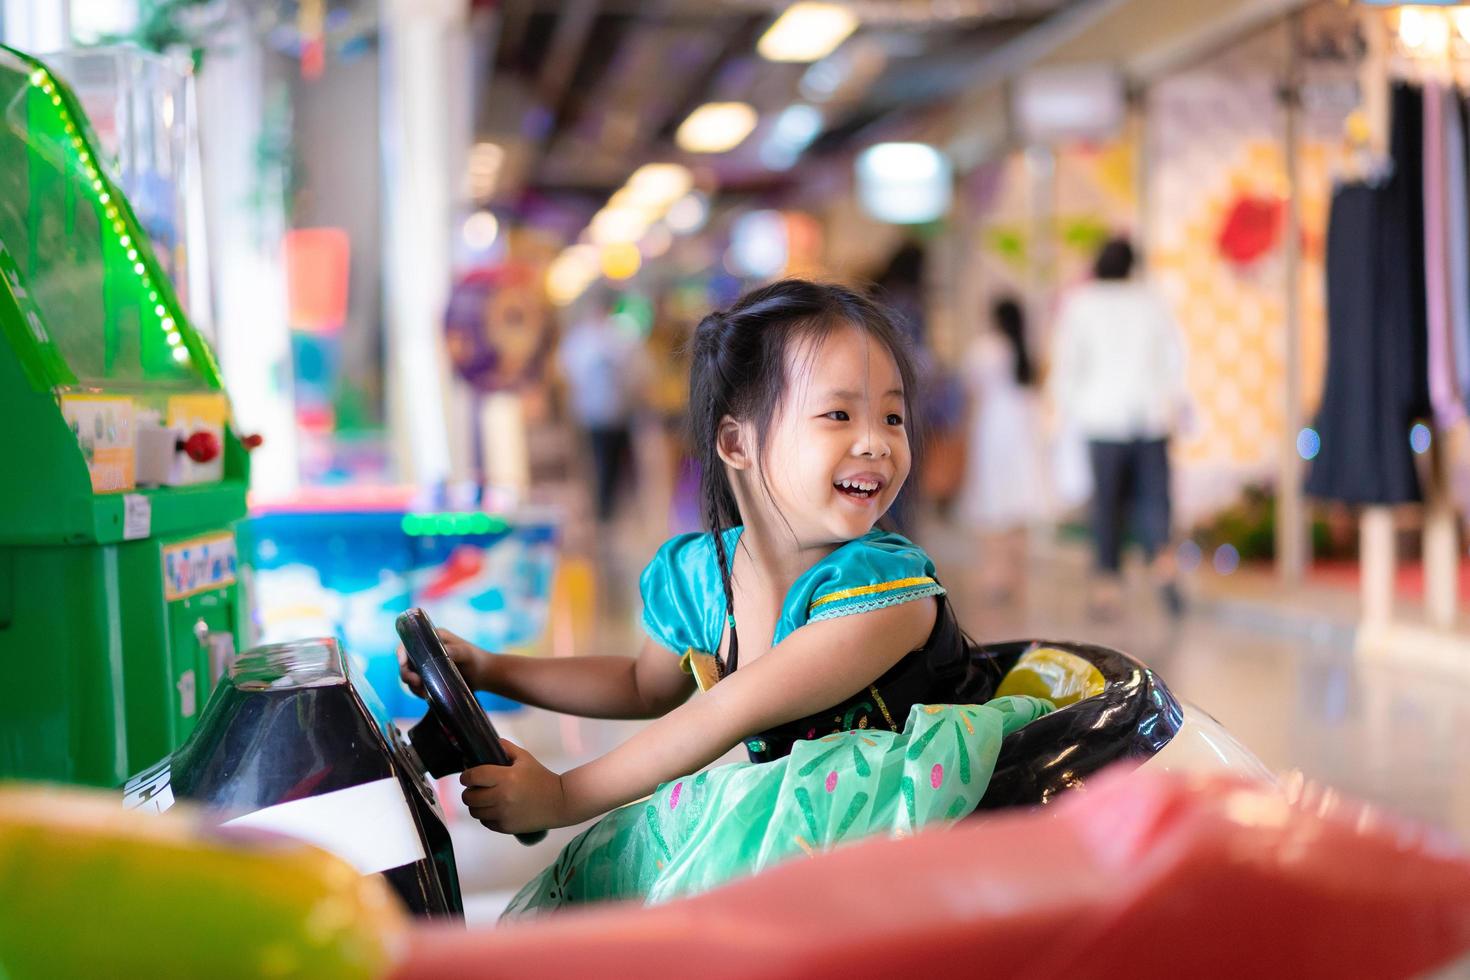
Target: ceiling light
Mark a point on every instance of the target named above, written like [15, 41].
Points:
[793, 132]
[797, 124]
[482, 169]
[807, 32]
[716, 127]
[625, 199]
[904, 183]
[613, 225]
[486, 156]
[659, 183]
[571, 272]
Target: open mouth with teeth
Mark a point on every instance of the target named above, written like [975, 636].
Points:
[861, 489]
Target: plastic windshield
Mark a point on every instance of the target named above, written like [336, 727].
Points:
[289, 666]
[88, 304]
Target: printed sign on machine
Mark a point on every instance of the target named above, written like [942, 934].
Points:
[198, 565]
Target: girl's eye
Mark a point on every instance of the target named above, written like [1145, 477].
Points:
[894, 419]
[837, 416]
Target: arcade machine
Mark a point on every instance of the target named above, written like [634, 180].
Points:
[122, 481]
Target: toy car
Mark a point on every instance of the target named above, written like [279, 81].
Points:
[294, 741]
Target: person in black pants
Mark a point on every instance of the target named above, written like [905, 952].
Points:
[605, 367]
[1118, 380]
[612, 453]
[1132, 473]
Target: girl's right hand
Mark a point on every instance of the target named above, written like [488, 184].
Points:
[472, 662]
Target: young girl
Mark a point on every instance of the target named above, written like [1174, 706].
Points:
[797, 617]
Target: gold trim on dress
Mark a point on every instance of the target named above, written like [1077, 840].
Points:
[704, 666]
[873, 690]
[901, 583]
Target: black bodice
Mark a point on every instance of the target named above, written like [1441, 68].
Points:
[942, 671]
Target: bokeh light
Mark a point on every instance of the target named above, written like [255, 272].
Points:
[480, 230]
[716, 127]
[904, 183]
[688, 213]
[621, 260]
[1188, 556]
[1308, 443]
[1420, 438]
[1227, 559]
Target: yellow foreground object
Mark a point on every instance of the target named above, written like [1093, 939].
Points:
[94, 890]
[1046, 672]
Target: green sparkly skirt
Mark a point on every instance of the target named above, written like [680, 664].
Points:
[701, 831]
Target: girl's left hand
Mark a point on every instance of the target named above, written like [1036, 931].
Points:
[515, 799]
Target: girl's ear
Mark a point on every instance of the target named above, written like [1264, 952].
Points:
[731, 444]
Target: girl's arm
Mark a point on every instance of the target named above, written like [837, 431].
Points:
[650, 685]
[818, 665]
[594, 687]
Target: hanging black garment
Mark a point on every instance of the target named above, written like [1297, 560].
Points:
[1377, 339]
[1461, 328]
[1405, 336]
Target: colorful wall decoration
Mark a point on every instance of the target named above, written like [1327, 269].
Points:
[1216, 227]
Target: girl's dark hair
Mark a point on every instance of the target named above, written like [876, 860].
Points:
[738, 368]
[1010, 320]
[1114, 260]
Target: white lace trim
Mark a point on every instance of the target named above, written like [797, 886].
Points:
[867, 603]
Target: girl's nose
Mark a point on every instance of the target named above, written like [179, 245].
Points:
[874, 444]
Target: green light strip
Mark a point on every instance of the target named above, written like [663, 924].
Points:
[418, 525]
[129, 238]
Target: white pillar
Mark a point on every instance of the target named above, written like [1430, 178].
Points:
[1293, 542]
[251, 335]
[1441, 543]
[426, 131]
[1041, 284]
[1377, 561]
[38, 27]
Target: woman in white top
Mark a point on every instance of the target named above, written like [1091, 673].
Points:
[1118, 379]
[1004, 489]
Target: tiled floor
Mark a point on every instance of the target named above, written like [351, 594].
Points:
[1295, 694]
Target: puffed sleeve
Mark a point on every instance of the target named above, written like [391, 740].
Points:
[877, 570]
[678, 607]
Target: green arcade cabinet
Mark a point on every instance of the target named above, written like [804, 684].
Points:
[121, 479]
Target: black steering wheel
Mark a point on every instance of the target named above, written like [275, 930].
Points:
[456, 734]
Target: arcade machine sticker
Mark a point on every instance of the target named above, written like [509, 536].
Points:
[103, 425]
[150, 790]
[198, 565]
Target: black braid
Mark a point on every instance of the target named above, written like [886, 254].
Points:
[725, 562]
[716, 331]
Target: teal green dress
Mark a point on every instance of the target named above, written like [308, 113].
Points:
[902, 751]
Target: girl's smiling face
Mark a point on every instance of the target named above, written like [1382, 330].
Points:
[837, 452]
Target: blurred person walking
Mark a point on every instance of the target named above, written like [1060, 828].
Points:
[1004, 489]
[604, 364]
[1118, 378]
